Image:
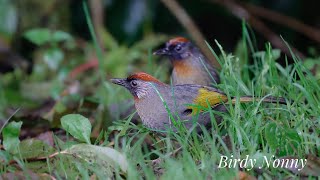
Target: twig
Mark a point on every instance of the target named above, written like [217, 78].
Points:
[40, 158]
[191, 28]
[92, 63]
[309, 31]
[258, 25]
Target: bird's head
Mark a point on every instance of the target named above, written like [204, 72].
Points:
[176, 49]
[139, 84]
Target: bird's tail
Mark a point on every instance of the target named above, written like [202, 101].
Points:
[269, 99]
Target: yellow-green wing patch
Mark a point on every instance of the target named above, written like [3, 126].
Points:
[206, 99]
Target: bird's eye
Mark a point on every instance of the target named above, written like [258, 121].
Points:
[133, 83]
[178, 48]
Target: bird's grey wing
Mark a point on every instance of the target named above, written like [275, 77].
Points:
[184, 96]
[192, 90]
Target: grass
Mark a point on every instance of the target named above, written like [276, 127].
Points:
[256, 129]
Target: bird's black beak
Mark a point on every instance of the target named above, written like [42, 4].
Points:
[118, 81]
[163, 51]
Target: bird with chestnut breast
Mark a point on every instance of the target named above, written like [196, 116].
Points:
[161, 106]
[190, 66]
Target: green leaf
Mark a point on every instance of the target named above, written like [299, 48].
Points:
[38, 36]
[41, 36]
[59, 36]
[39, 166]
[282, 140]
[272, 136]
[32, 148]
[5, 157]
[104, 157]
[78, 126]
[10, 135]
[53, 58]
[290, 141]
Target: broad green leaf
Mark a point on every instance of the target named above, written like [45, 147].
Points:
[292, 135]
[39, 166]
[290, 141]
[59, 36]
[33, 148]
[5, 157]
[282, 140]
[10, 135]
[272, 136]
[38, 36]
[41, 36]
[104, 157]
[78, 126]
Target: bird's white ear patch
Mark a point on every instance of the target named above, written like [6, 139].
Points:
[141, 94]
[142, 91]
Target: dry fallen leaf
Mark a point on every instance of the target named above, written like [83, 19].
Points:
[245, 176]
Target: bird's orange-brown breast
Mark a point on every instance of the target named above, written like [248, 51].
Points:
[182, 68]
